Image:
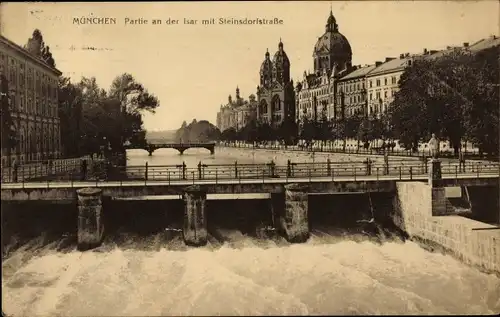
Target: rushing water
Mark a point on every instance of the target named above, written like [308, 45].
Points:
[335, 272]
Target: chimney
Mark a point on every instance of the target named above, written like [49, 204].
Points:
[388, 59]
[378, 63]
[402, 55]
[493, 37]
[425, 51]
[407, 54]
[466, 44]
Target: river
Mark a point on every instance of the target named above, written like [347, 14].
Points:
[335, 272]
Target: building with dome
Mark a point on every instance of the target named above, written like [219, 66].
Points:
[275, 94]
[332, 57]
[236, 113]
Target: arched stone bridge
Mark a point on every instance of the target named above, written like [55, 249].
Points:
[181, 147]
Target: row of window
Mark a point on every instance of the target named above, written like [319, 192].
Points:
[39, 107]
[352, 87]
[36, 81]
[315, 93]
[386, 94]
[355, 99]
[393, 80]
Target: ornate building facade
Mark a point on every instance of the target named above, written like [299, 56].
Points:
[332, 56]
[383, 82]
[33, 100]
[275, 94]
[236, 113]
[352, 92]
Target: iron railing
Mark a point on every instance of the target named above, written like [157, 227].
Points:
[236, 171]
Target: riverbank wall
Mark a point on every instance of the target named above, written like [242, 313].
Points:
[281, 156]
[420, 210]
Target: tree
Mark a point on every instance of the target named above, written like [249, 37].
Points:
[197, 131]
[229, 134]
[250, 131]
[308, 130]
[9, 138]
[134, 99]
[339, 131]
[132, 95]
[454, 96]
[287, 131]
[323, 127]
[70, 115]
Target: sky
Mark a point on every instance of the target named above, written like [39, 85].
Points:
[192, 69]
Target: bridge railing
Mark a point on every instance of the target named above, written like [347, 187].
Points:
[57, 168]
[217, 172]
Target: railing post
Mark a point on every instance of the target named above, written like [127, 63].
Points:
[168, 177]
[411, 172]
[477, 169]
[377, 172]
[333, 173]
[456, 172]
[354, 168]
[146, 172]
[216, 175]
[328, 168]
[235, 169]
[193, 176]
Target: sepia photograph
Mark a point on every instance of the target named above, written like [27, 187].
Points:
[250, 158]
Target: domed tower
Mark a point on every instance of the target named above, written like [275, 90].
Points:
[266, 72]
[281, 66]
[331, 49]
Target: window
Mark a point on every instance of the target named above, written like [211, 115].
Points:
[370, 84]
[371, 96]
[378, 82]
[385, 94]
[394, 79]
[378, 95]
[385, 81]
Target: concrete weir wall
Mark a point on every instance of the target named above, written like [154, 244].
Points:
[420, 210]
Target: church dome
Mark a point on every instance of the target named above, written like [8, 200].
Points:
[332, 41]
[280, 57]
[267, 65]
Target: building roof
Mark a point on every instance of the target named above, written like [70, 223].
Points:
[486, 43]
[28, 55]
[360, 72]
[332, 40]
[391, 66]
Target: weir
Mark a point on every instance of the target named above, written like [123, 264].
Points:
[419, 205]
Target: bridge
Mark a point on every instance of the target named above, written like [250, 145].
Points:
[416, 193]
[321, 177]
[181, 147]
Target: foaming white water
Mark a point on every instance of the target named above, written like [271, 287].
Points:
[246, 276]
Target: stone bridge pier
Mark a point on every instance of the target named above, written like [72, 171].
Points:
[90, 221]
[290, 212]
[194, 230]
